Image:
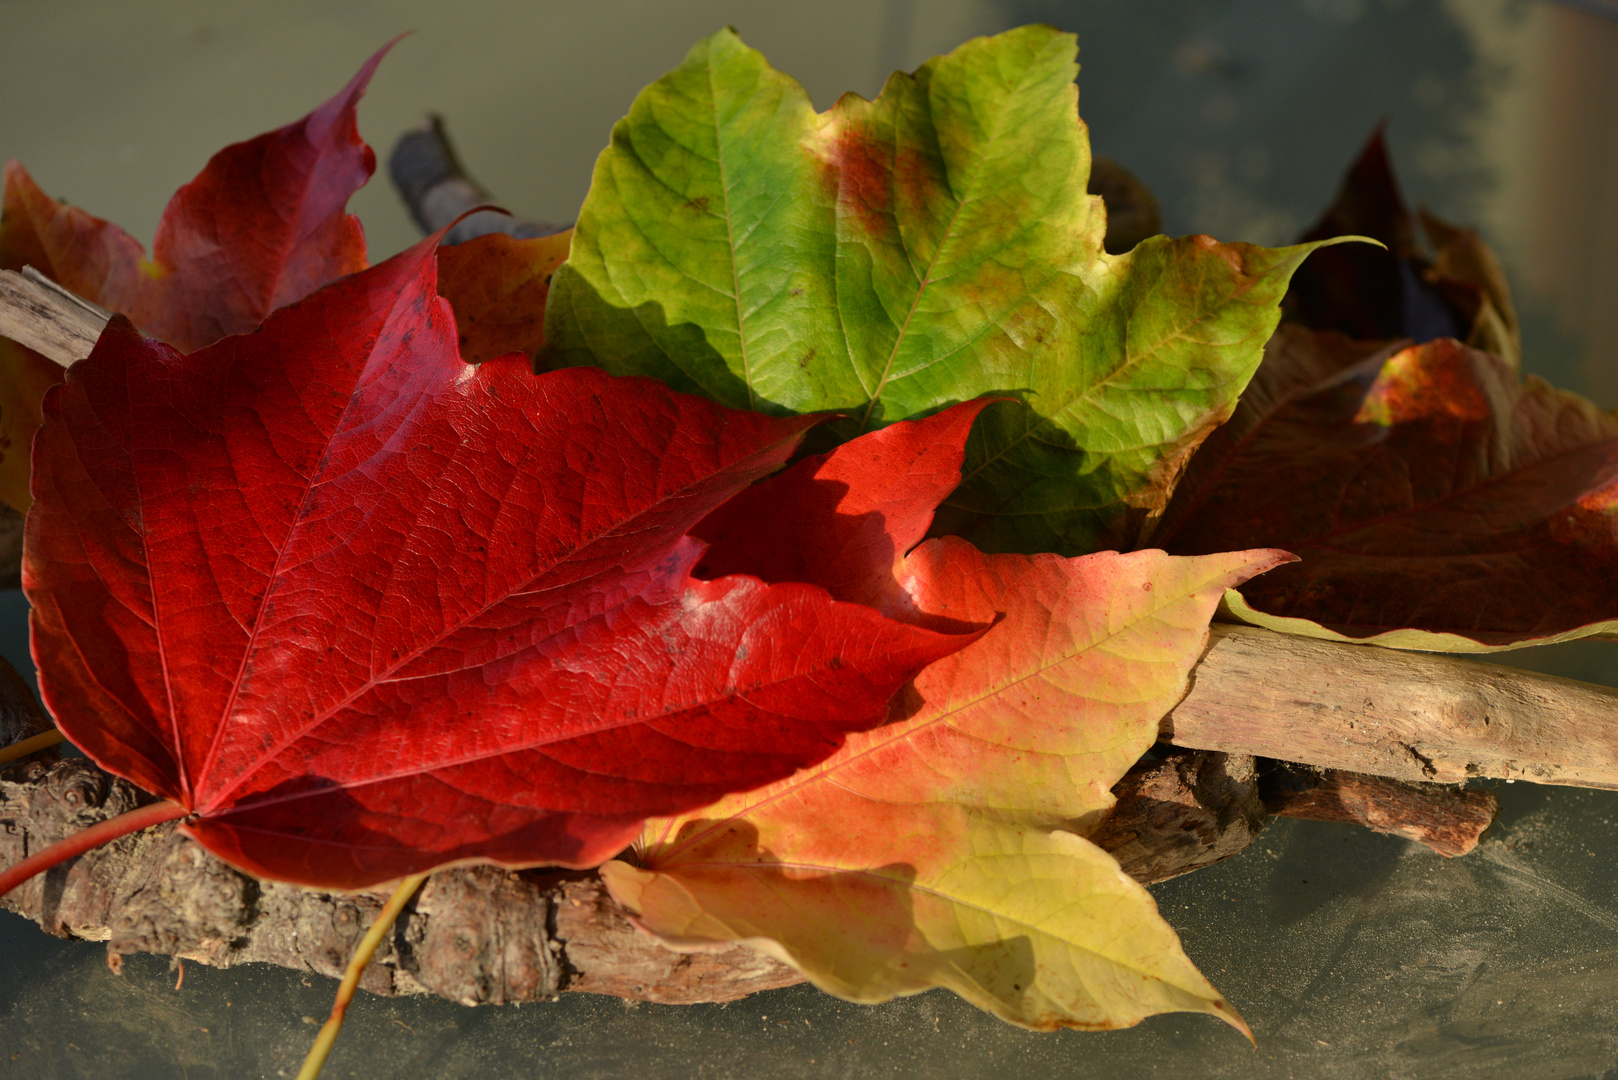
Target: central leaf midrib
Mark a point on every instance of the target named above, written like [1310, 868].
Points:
[730, 242]
[978, 166]
[537, 745]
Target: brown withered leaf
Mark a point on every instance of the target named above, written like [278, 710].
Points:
[1437, 501]
[1456, 289]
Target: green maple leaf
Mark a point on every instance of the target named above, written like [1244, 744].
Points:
[888, 258]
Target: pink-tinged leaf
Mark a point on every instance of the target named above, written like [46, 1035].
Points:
[1437, 501]
[264, 224]
[922, 854]
[940, 849]
[364, 609]
[261, 226]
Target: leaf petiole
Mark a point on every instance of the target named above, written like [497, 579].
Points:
[31, 745]
[351, 977]
[102, 831]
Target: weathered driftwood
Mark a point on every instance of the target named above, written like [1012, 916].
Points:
[38, 313]
[1410, 716]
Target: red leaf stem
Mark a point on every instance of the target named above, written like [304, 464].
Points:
[70, 847]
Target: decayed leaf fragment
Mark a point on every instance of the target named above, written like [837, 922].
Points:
[886, 259]
[364, 609]
[262, 225]
[1398, 290]
[497, 285]
[1437, 500]
[944, 848]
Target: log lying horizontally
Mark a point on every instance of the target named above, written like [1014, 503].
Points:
[1411, 716]
[478, 935]
[483, 935]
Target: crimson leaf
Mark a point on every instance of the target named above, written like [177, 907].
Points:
[364, 609]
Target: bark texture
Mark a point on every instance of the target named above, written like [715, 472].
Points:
[486, 936]
[1446, 819]
[478, 935]
[1181, 813]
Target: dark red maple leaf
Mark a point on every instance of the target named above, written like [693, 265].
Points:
[361, 609]
[1400, 290]
[1426, 488]
[1365, 291]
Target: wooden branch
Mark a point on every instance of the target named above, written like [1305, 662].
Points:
[1410, 716]
[38, 313]
[478, 935]
[483, 935]
[436, 188]
[1446, 819]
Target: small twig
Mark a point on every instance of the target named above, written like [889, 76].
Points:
[32, 745]
[1446, 819]
[437, 189]
[38, 313]
[351, 977]
[89, 307]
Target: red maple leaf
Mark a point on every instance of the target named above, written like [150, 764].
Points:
[360, 609]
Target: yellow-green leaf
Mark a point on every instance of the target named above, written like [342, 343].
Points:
[888, 258]
[939, 849]
[1040, 928]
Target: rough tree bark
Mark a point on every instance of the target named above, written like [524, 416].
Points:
[478, 935]
[487, 936]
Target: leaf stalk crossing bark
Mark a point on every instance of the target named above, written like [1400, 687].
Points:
[324, 1041]
[82, 841]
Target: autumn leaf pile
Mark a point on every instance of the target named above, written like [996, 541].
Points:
[812, 550]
